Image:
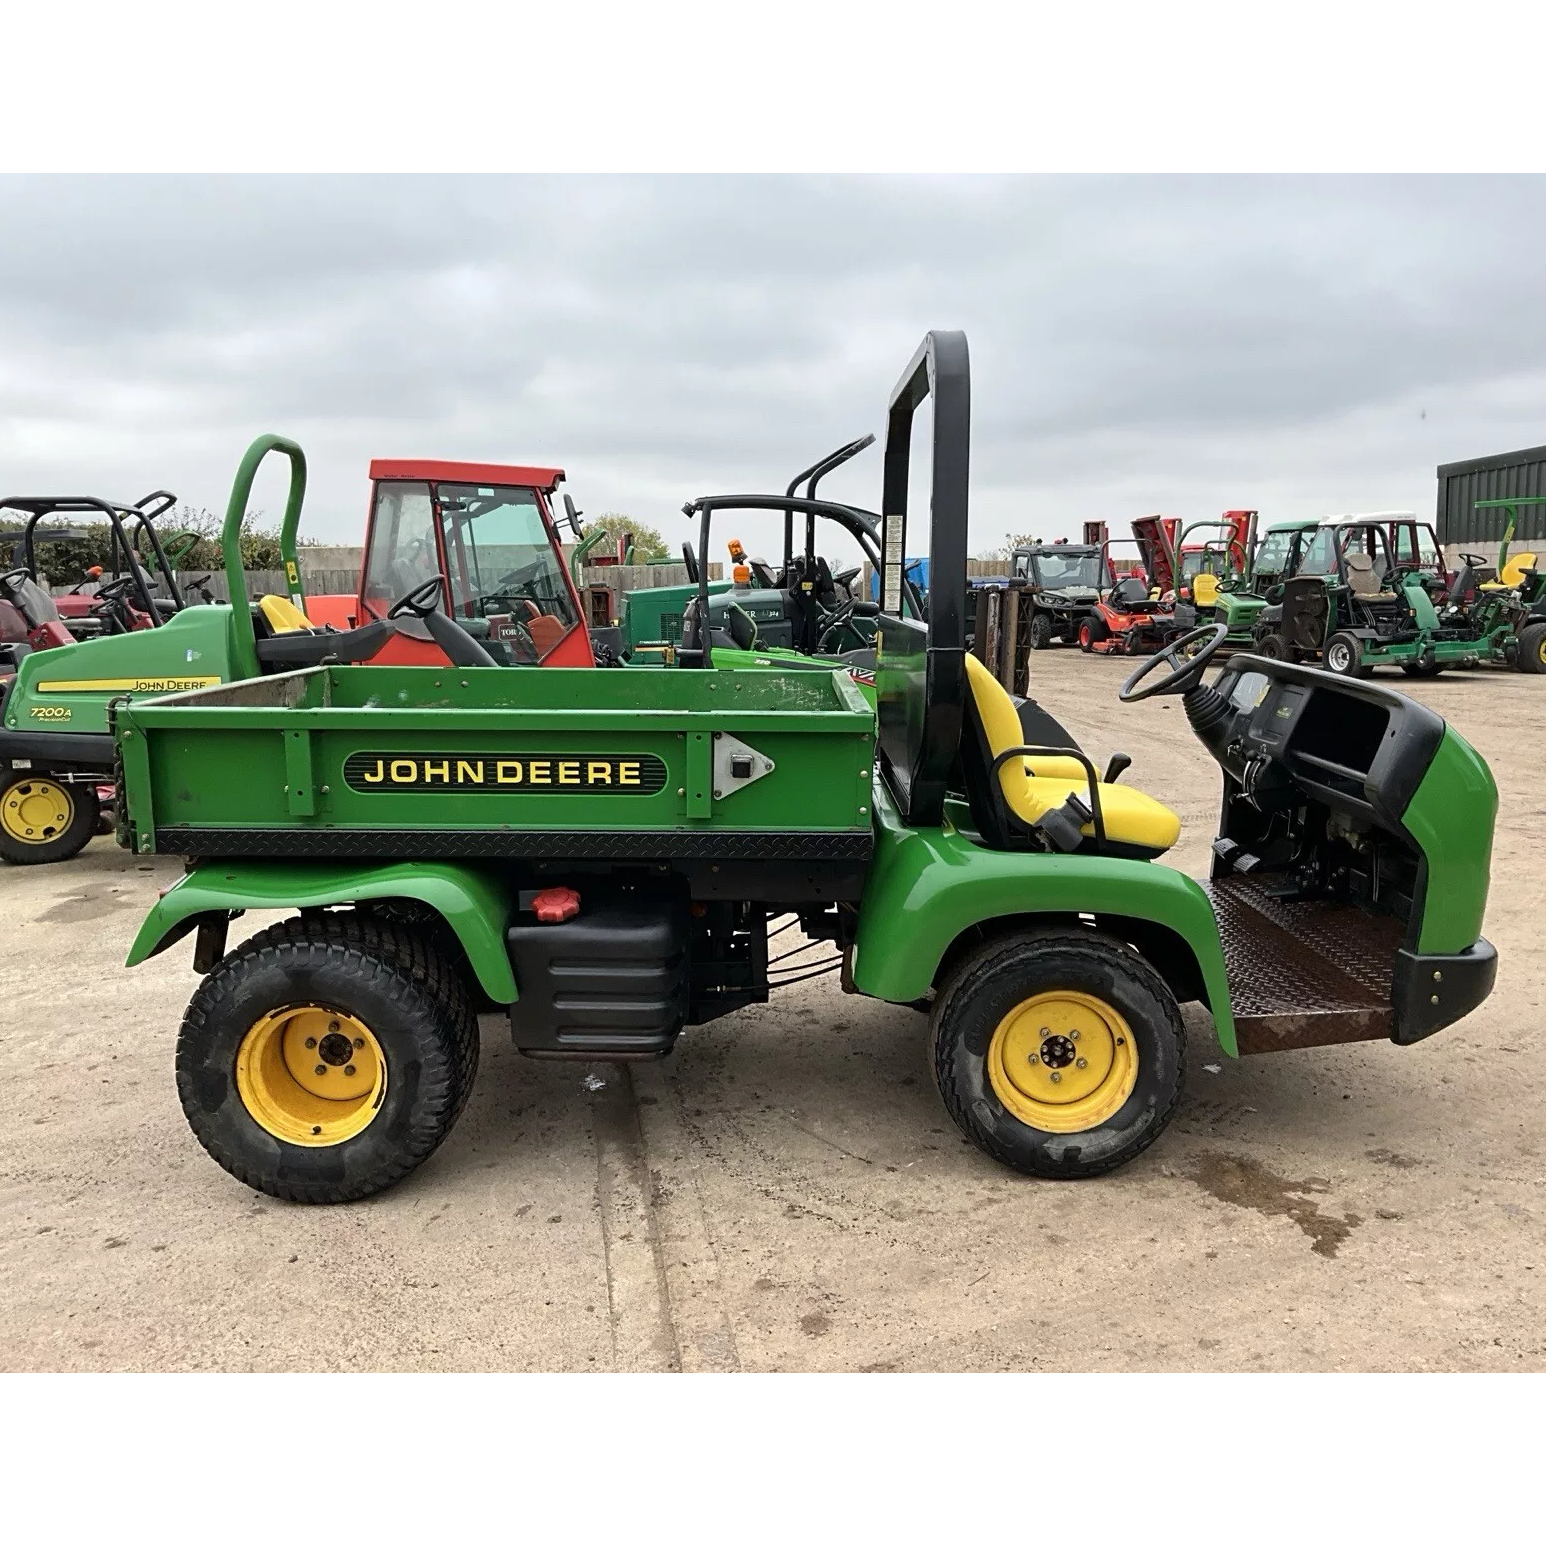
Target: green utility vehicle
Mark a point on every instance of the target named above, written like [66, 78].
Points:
[1502, 606]
[597, 856]
[1367, 593]
[55, 747]
[1254, 598]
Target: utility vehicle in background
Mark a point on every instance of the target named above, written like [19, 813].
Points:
[1063, 585]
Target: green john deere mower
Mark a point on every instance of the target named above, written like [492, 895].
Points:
[594, 858]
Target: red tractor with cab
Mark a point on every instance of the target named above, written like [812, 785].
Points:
[489, 532]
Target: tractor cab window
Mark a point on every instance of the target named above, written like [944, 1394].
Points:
[1022, 566]
[1321, 556]
[1415, 547]
[402, 545]
[1274, 553]
[502, 559]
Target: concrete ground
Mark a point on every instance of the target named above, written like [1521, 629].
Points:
[787, 1192]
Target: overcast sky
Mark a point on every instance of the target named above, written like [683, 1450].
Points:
[1180, 345]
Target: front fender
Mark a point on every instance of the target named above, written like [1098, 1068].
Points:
[476, 907]
[927, 886]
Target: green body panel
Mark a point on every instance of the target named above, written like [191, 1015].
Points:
[470, 899]
[1451, 817]
[645, 612]
[928, 885]
[494, 748]
[1238, 611]
[1421, 605]
[192, 644]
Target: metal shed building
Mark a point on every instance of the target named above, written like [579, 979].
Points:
[1513, 474]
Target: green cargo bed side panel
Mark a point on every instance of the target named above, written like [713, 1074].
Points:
[472, 901]
[926, 887]
[1451, 816]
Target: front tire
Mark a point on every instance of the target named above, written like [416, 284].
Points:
[1092, 631]
[326, 1058]
[1343, 656]
[1039, 633]
[1271, 646]
[1532, 649]
[44, 820]
[1060, 1053]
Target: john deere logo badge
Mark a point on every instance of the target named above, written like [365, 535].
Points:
[540, 773]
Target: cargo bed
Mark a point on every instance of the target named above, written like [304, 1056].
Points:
[419, 762]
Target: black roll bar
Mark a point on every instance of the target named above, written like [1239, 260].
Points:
[921, 666]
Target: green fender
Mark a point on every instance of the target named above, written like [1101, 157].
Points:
[928, 885]
[471, 902]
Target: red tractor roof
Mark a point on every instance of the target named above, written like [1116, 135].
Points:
[544, 478]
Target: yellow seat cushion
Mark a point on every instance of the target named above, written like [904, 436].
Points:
[1514, 571]
[1205, 589]
[1033, 786]
[282, 615]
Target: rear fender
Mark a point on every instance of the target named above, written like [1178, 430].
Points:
[476, 907]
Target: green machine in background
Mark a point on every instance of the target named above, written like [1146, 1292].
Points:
[596, 857]
[55, 749]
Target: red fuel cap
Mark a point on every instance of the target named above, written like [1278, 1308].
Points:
[558, 904]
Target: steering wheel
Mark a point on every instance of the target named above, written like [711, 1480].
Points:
[1182, 677]
[419, 602]
[14, 577]
[690, 559]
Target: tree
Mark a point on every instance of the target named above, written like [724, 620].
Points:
[66, 562]
[1011, 542]
[647, 542]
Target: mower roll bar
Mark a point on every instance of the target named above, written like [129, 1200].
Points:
[1513, 519]
[919, 736]
[38, 506]
[816, 472]
[862, 525]
[245, 643]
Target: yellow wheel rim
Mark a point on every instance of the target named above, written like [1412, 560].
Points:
[37, 810]
[1063, 1062]
[311, 1075]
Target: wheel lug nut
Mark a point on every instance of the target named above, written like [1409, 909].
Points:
[332, 1025]
[315, 1131]
[321, 1068]
[349, 1069]
[359, 1042]
[1073, 1036]
[311, 1042]
[1057, 1078]
[1080, 1063]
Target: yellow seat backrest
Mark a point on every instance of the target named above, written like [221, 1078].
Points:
[1514, 570]
[1205, 589]
[282, 615]
[1034, 785]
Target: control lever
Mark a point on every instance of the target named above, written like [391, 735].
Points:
[1118, 765]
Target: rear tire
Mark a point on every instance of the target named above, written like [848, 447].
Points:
[1271, 646]
[1343, 656]
[1010, 1029]
[1039, 631]
[1532, 649]
[43, 820]
[236, 1068]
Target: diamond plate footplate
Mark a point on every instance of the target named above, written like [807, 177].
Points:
[1303, 974]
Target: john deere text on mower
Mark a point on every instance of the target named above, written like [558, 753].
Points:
[596, 855]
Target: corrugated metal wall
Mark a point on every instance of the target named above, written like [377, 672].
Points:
[1513, 474]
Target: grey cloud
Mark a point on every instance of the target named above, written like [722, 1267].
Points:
[1138, 343]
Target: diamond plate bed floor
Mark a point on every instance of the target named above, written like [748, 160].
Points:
[1303, 974]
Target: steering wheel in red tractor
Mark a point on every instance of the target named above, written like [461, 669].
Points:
[1183, 676]
[113, 606]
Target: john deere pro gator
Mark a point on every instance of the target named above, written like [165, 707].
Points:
[588, 862]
